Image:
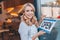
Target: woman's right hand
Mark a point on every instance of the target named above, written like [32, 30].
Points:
[43, 16]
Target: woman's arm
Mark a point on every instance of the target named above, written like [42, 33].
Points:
[41, 18]
[38, 34]
[37, 23]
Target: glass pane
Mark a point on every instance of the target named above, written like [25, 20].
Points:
[50, 8]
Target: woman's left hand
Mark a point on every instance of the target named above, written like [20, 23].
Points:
[34, 37]
[38, 34]
[41, 32]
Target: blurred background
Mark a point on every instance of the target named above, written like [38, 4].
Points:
[10, 17]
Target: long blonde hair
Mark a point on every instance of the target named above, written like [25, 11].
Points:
[33, 20]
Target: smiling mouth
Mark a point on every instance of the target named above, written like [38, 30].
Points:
[29, 16]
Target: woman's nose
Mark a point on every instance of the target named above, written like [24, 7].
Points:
[30, 12]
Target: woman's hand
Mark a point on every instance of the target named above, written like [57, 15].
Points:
[34, 37]
[38, 34]
[41, 32]
[41, 18]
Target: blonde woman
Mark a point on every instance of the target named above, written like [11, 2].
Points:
[28, 26]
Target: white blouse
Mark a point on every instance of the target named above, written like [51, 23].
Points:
[27, 32]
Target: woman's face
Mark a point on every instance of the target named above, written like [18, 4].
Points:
[28, 12]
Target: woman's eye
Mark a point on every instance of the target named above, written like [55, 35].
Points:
[32, 10]
[27, 10]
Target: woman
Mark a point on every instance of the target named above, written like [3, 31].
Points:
[28, 26]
